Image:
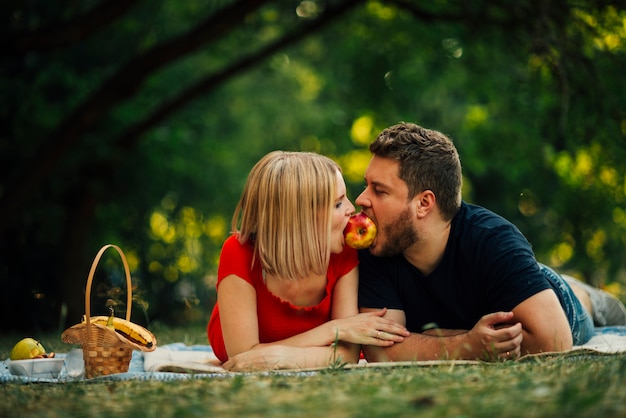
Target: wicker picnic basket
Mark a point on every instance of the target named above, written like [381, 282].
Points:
[104, 350]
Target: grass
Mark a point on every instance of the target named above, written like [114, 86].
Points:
[558, 387]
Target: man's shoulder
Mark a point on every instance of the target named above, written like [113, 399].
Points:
[480, 218]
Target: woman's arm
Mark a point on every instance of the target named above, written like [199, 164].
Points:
[313, 348]
[239, 320]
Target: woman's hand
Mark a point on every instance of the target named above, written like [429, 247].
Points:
[369, 329]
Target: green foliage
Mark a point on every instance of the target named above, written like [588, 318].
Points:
[530, 92]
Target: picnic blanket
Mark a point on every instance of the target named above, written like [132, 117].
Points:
[179, 361]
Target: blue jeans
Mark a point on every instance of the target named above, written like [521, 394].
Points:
[580, 322]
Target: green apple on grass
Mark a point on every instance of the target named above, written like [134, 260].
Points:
[29, 348]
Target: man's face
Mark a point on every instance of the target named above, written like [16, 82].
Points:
[385, 200]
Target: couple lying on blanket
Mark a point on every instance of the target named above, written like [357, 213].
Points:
[443, 279]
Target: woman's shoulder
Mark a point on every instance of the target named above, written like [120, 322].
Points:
[232, 243]
[236, 258]
[345, 261]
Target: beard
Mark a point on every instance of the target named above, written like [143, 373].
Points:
[399, 235]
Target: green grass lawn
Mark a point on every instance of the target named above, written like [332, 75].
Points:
[575, 386]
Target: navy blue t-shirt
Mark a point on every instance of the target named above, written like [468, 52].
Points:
[488, 266]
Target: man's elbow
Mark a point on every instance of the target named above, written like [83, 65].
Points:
[547, 344]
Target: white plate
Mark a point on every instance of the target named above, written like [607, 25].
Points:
[40, 368]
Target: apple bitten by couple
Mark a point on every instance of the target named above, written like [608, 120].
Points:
[287, 284]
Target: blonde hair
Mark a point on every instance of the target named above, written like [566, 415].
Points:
[285, 211]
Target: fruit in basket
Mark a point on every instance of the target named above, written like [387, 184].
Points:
[131, 331]
[28, 348]
[360, 231]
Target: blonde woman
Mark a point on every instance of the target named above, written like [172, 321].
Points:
[287, 283]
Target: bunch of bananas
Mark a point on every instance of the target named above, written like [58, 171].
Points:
[129, 330]
[117, 330]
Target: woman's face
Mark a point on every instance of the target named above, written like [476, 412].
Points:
[342, 210]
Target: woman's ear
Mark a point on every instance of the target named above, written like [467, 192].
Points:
[424, 203]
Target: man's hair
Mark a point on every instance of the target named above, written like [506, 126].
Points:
[428, 161]
[285, 212]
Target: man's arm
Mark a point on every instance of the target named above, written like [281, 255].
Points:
[545, 326]
[488, 340]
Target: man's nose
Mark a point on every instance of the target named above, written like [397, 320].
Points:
[362, 199]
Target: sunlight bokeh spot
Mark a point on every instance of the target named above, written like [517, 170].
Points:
[132, 259]
[361, 131]
[612, 41]
[193, 228]
[594, 246]
[158, 224]
[609, 28]
[579, 170]
[614, 288]
[310, 83]
[186, 264]
[561, 254]
[354, 165]
[476, 116]
[584, 164]
[161, 228]
[619, 216]
[528, 204]
[170, 235]
[381, 10]
[608, 176]
[452, 47]
[215, 228]
[307, 9]
[563, 164]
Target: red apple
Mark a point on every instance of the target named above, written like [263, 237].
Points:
[360, 231]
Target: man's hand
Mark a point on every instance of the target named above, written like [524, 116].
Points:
[493, 337]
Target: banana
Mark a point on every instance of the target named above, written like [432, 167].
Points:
[131, 331]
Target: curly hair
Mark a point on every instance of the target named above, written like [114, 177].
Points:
[428, 161]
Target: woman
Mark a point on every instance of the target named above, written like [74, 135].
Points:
[287, 283]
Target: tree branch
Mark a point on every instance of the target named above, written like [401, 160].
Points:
[131, 136]
[120, 86]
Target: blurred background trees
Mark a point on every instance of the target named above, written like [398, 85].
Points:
[136, 123]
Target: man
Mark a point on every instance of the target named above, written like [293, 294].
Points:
[462, 279]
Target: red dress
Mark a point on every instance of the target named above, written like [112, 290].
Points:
[278, 319]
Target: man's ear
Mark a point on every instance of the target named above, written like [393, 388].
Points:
[424, 203]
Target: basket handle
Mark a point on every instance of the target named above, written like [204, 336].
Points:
[129, 294]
